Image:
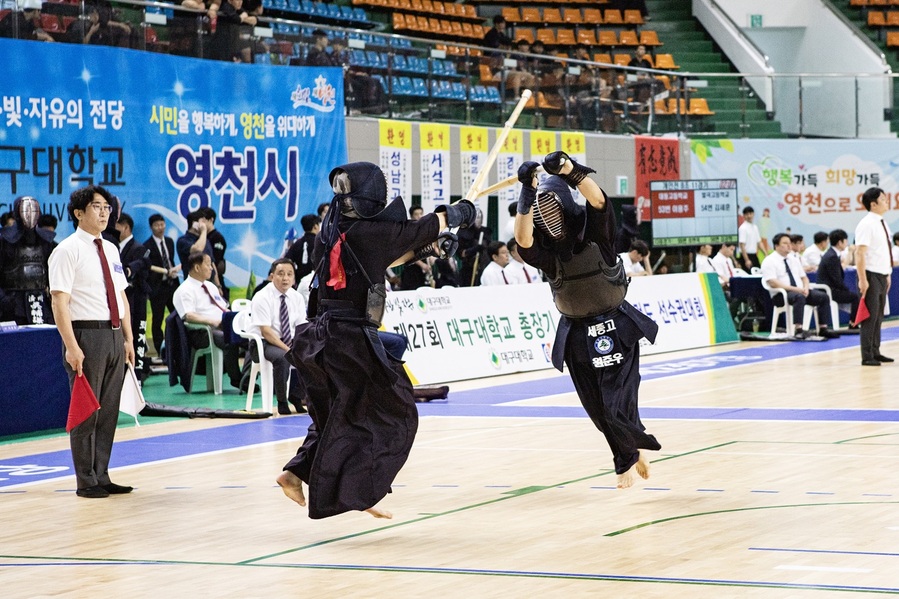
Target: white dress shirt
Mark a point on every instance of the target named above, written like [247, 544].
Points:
[493, 275]
[74, 268]
[774, 266]
[190, 297]
[520, 273]
[870, 233]
[724, 267]
[631, 268]
[265, 309]
[811, 257]
[749, 236]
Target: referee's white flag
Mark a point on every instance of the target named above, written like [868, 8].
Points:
[132, 398]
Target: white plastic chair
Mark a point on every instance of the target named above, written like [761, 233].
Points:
[263, 367]
[214, 359]
[240, 303]
[787, 311]
[834, 307]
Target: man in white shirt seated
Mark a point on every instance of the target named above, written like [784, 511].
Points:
[703, 262]
[724, 265]
[197, 300]
[636, 261]
[518, 272]
[782, 270]
[276, 311]
[811, 257]
[499, 258]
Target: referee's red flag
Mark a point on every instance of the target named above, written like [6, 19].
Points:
[83, 403]
[862, 312]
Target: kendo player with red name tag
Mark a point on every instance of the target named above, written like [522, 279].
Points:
[360, 399]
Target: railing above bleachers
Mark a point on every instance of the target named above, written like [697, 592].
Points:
[417, 77]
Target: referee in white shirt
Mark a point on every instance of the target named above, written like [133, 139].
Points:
[276, 311]
[88, 284]
[874, 260]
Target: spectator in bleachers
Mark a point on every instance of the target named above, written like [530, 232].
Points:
[632, 5]
[641, 59]
[496, 35]
[22, 23]
[811, 257]
[104, 30]
[518, 77]
[636, 260]
[226, 43]
[318, 55]
[830, 273]
[591, 92]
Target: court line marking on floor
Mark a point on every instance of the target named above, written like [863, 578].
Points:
[50, 561]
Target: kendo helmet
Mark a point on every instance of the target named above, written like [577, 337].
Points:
[26, 211]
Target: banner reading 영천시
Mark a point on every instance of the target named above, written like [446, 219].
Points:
[472, 332]
[170, 134]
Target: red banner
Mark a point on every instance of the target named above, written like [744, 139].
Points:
[655, 159]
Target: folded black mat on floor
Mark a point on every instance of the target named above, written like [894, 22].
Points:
[422, 394]
[157, 409]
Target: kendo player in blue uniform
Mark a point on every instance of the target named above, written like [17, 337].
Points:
[599, 332]
[360, 399]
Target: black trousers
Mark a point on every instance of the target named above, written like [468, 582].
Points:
[875, 300]
[160, 300]
[815, 298]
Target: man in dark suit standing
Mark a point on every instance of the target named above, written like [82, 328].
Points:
[830, 273]
[301, 250]
[163, 277]
[136, 263]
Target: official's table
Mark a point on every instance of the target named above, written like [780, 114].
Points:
[34, 392]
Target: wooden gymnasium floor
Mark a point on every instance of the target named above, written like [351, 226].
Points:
[777, 479]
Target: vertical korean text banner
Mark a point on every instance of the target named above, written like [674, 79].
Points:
[542, 143]
[434, 140]
[508, 160]
[656, 159]
[170, 135]
[473, 154]
[396, 158]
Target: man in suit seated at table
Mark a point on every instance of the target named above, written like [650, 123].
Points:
[197, 300]
[276, 311]
[830, 273]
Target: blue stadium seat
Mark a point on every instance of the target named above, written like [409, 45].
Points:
[333, 11]
[360, 15]
[399, 63]
[493, 95]
[417, 65]
[375, 59]
[458, 91]
[419, 88]
[346, 13]
[358, 59]
[446, 89]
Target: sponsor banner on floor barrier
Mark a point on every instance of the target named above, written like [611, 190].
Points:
[472, 332]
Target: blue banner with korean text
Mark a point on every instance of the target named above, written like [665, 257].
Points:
[169, 135]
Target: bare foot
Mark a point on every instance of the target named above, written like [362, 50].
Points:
[627, 479]
[642, 465]
[292, 486]
[377, 513]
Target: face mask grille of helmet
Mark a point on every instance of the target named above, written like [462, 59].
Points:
[548, 216]
[341, 183]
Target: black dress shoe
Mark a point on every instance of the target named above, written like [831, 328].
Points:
[283, 408]
[95, 492]
[114, 489]
[870, 363]
[881, 358]
[298, 406]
